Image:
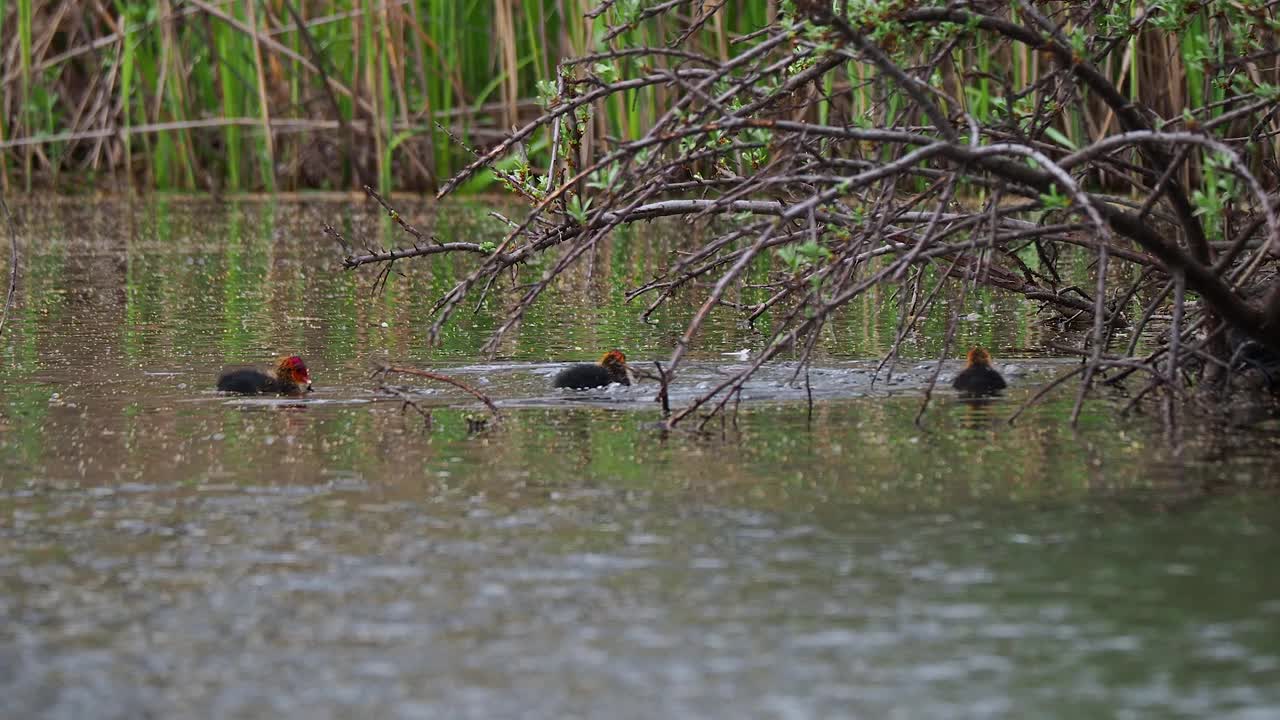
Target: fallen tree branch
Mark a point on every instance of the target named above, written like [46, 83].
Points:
[385, 370]
[804, 201]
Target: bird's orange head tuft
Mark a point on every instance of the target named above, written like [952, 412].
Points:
[979, 356]
[614, 358]
[293, 368]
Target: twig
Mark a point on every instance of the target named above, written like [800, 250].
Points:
[13, 264]
[408, 403]
[395, 215]
[663, 396]
[388, 369]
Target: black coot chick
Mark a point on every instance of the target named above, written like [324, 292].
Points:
[290, 378]
[979, 378]
[1258, 365]
[611, 369]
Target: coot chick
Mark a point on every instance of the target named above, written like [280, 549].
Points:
[1258, 365]
[291, 378]
[612, 369]
[979, 378]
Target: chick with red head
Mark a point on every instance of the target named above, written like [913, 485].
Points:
[290, 377]
[612, 368]
[978, 377]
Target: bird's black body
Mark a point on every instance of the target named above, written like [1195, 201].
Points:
[586, 375]
[612, 368]
[979, 380]
[1253, 356]
[252, 382]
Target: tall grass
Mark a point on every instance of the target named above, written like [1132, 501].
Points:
[327, 94]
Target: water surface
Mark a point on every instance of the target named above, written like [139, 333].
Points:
[166, 551]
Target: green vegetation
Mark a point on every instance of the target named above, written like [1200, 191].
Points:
[282, 94]
[252, 95]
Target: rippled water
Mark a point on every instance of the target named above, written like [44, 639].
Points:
[166, 551]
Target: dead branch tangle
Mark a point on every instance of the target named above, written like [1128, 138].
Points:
[768, 149]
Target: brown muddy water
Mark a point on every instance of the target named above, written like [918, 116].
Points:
[166, 551]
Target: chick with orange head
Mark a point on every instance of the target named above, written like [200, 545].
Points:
[979, 378]
[290, 377]
[612, 368]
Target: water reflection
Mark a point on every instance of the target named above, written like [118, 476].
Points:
[169, 551]
[982, 413]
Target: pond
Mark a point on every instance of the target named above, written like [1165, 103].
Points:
[167, 551]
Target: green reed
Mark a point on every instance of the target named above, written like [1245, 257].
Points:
[232, 94]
